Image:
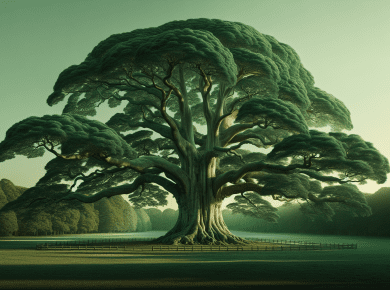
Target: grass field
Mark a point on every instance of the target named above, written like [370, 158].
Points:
[103, 269]
[360, 268]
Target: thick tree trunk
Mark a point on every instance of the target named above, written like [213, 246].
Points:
[200, 218]
[201, 224]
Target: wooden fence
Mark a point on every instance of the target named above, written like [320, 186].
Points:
[279, 245]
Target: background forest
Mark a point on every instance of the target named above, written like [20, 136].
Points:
[116, 215]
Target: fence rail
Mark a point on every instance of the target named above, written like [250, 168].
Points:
[278, 246]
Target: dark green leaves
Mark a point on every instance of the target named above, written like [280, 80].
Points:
[326, 110]
[275, 112]
[151, 196]
[73, 132]
[263, 209]
[305, 145]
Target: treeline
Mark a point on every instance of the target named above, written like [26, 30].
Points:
[18, 217]
[162, 220]
[116, 215]
[292, 220]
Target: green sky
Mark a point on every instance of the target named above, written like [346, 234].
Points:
[343, 43]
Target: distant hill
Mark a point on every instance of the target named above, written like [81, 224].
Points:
[9, 192]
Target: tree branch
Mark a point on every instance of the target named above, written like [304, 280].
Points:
[80, 156]
[222, 96]
[125, 189]
[93, 175]
[246, 135]
[324, 178]
[177, 138]
[140, 164]
[240, 188]
[233, 176]
[206, 95]
[185, 111]
[232, 131]
[230, 149]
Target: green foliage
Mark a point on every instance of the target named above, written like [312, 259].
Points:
[74, 132]
[115, 215]
[155, 216]
[8, 223]
[89, 220]
[264, 209]
[152, 195]
[143, 221]
[273, 111]
[36, 224]
[306, 145]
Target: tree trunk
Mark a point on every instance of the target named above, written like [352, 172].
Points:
[200, 218]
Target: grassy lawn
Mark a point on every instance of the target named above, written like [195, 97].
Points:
[144, 269]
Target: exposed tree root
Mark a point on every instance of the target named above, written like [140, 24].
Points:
[200, 237]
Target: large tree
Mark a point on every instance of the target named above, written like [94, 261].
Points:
[194, 68]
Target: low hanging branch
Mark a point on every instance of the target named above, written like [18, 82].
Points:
[125, 189]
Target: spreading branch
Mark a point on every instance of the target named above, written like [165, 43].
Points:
[125, 189]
